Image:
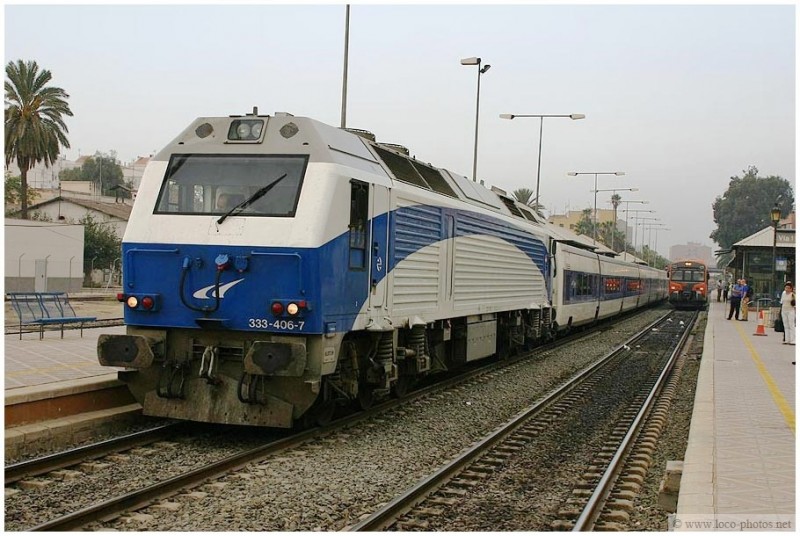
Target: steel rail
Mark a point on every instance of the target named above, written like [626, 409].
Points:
[45, 464]
[597, 501]
[391, 511]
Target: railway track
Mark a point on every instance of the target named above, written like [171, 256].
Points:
[431, 497]
[112, 508]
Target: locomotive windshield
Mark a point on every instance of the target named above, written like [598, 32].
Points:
[688, 276]
[214, 184]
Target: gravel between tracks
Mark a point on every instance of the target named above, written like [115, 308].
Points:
[330, 483]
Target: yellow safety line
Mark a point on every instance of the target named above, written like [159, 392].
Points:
[784, 406]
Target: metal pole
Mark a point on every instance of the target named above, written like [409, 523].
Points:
[477, 116]
[595, 208]
[539, 165]
[774, 260]
[344, 76]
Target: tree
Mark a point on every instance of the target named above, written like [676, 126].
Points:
[745, 206]
[523, 195]
[101, 169]
[34, 122]
[616, 201]
[13, 188]
[585, 225]
[101, 246]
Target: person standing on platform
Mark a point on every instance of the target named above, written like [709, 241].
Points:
[726, 286]
[788, 312]
[736, 299]
[719, 289]
[747, 292]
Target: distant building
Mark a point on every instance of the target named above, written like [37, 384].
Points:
[754, 256]
[571, 218]
[692, 250]
[72, 208]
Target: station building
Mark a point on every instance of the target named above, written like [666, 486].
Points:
[753, 257]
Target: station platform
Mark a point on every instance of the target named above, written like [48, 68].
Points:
[739, 466]
[56, 392]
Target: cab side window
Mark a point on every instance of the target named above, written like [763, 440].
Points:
[359, 211]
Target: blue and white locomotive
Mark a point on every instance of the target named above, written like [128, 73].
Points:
[276, 266]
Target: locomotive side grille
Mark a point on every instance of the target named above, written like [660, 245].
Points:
[226, 353]
[418, 235]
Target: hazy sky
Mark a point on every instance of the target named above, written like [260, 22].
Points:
[679, 97]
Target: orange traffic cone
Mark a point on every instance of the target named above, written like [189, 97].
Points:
[760, 327]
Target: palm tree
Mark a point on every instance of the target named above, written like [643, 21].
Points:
[34, 127]
[523, 195]
[616, 201]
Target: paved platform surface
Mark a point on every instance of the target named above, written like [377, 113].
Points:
[30, 362]
[739, 467]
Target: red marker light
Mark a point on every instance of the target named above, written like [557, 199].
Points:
[277, 308]
[120, 297]
[147, 302]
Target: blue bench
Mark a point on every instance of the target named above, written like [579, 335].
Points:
[45, 309]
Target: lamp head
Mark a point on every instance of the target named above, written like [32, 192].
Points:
[572, 174]
[471, 61]
[485, 68]
[577, 116]
[775, 214]
[619, 173]
[506, 116]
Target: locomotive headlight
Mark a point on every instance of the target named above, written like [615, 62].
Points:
[292, 308]
[132, 302]
[245, 130]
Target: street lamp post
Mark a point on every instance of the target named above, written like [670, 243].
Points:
[655, 245]
[541, 128]
[614, 225]
[595, 173]
[344, 75]
[775, 217]
[627, 209]
[644, 223]
[476, 61]
[651, 253]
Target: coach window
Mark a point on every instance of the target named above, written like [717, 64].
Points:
[359, 207]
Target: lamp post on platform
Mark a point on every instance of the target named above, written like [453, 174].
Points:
[541, 128]
[476, 61]
[614, 225]
[627, 209]
[775, 217]
[595, 173]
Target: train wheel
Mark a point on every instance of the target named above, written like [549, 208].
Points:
[366, 396]
[323, 414]
[402, 386]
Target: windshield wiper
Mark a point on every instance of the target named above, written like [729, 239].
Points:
[252, 199]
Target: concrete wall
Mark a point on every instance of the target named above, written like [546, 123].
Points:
[44, 253]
